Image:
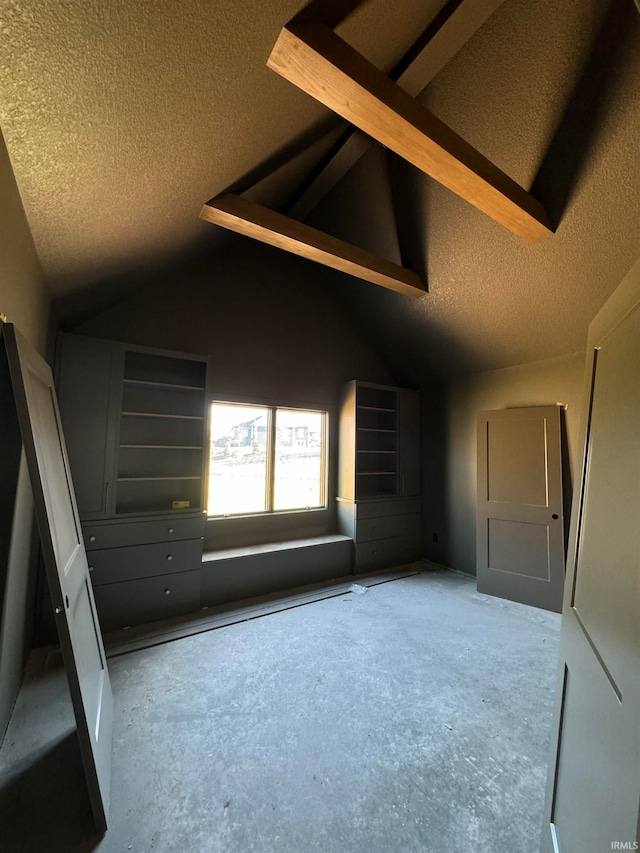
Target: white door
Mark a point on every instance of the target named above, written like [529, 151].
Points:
[593, 793]
[66, 564]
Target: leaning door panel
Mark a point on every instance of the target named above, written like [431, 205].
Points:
[65, 562]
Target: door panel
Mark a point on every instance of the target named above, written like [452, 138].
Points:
[588, 811]
[519, 547]
[593, 791]
[516, 461]
[520, 533]
[66, 564]
[601, 586]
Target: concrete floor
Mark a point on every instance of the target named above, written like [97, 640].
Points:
[413, 717]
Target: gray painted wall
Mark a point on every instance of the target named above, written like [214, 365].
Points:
[542, 383]
[274, 331]
[25, 301]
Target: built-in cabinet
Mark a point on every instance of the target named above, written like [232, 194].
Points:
[379, 473]
[135, 427]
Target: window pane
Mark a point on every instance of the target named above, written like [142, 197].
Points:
[299, 458]
[238, 474]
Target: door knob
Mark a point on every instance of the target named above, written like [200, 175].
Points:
[555, 515]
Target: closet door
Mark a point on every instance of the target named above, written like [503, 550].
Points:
[88, 378]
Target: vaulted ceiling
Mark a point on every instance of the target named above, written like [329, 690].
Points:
[122, 118]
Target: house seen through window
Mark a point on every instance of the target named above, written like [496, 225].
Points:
[266, 459]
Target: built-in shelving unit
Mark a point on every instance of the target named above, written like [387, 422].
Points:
[135, 427]
[379, 473]
[161, 425]
[376, 442]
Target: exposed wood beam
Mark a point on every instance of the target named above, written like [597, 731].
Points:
[238, 214]
[314, 58]
[449, 31]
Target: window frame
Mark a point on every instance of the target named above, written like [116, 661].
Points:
[270, 481]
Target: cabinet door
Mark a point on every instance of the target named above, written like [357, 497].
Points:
[408, 442]
[85, 382]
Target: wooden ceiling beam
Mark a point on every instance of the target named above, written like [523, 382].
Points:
[449, 31]
[314, 58]
[253, 220]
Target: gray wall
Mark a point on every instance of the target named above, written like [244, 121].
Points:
[25, 302]
[273, 330]
[542, 383]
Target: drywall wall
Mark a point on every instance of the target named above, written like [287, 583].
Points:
[538, 384]
[270, 324]
[25, 302]
[24, 299]
[433, 464]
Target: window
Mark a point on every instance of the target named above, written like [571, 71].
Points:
[266, 459]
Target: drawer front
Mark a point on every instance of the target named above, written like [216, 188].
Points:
[141, 532]
[373, 509]
[111, 565]
[387, 526]
[387, 552]
[136, 602]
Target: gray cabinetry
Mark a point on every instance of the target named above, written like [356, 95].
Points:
[137, 569]
[134, 422]
[147, 600]
[379, 473]
[87, 387]
[408, 442]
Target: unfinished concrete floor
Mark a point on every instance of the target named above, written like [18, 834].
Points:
[413, 717]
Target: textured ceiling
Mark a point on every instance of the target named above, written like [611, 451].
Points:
[122, 117]
[551, 93]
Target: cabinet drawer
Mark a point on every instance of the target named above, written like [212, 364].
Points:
[373, 509]
[135, 602]
[110, 565]
[141, 532]
[387, 526]
[387, 552]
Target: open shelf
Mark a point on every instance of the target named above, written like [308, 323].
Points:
[379, 484]
[162, 370]
[375, 441]
[149, 479]
[138, 495]
[376, 419]
[376, 398]
[167, 385]
[161, 425]
[160, 415]
[161, 446]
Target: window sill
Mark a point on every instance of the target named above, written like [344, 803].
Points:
[284, 513]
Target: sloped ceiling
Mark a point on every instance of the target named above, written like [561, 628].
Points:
[122, 117]
[551, 93]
